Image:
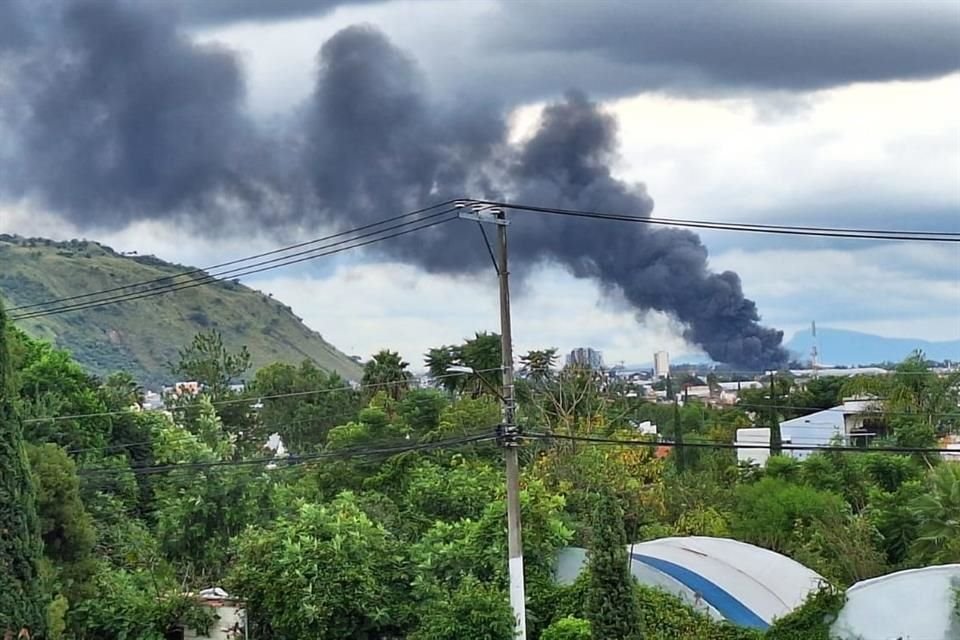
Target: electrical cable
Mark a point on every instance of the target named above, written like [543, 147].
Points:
[733, 445]
[247, 270]
[292, 394]
[295, 460]
[867, 234]
[206, 270]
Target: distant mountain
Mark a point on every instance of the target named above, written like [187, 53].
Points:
[842, 347]
[143, 336]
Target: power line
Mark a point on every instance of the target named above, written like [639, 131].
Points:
[205, 270]
[187, 436]
[868, 412]
[863, 234]
[732, 445]
[334, 248]
[294, 460]
[253, 399]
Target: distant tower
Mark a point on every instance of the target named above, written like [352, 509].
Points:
[661, 365]
[814, 352]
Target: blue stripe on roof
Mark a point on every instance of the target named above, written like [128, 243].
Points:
[720, 599]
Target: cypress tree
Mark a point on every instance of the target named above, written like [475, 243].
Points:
[21, 602]
[611, 606]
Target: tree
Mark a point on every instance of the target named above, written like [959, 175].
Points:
[65, 526]
[325, 572]
[207, 361]
[611, 604]
[938, 514]
[913, 391]
[537, 365]
[21, 602]
[568, 628]
[767, 512]
[51, 383]
[387, 372]
[122, 391]
[314, 403]
[136, 604]
[474, 611]
[438, 361]
[420, 411]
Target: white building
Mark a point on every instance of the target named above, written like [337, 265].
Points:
[750, 445]
[829, 372]
[646, 428]
[585, 357]
[730, 391]
[841, 424]
[701, 391]
[838, 425]
[661, 365]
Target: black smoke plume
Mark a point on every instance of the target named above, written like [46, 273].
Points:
[121, 116]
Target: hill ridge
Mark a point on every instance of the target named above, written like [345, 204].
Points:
[848, 347]
[143, 336]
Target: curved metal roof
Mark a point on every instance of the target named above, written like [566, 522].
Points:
[727, 579]
[916, 603]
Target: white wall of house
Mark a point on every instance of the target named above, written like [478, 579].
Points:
[753, 437]
[229, 616]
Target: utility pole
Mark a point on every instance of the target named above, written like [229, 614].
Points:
[776, 440]
[510, 431]
[678, 432]
[514, 541]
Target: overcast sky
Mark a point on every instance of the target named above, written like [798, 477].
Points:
[842, 113]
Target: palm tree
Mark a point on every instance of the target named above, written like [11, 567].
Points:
[388, 372]
[483, 354]
[938, 512]
[438, 361]
[913, 391]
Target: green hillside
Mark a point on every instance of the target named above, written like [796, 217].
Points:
[143, 336]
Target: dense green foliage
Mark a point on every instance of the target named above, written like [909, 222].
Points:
[568, 628]
[387, 522]
[143, 337]
[611, 605]
[21, 599]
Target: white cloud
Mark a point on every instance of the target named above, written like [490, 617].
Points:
[363, 308]
[716, 158]
[894, 290]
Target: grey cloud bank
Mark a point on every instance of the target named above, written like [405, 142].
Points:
[772, 45]
[211, 12]
[122, 117]
[525, 49]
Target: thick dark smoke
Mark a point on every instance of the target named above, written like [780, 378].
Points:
[567, 163]
[130, 119]
[126, 118]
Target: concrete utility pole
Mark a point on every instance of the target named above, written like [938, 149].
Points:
[514, 541]
[510, 432]
[776, 440]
